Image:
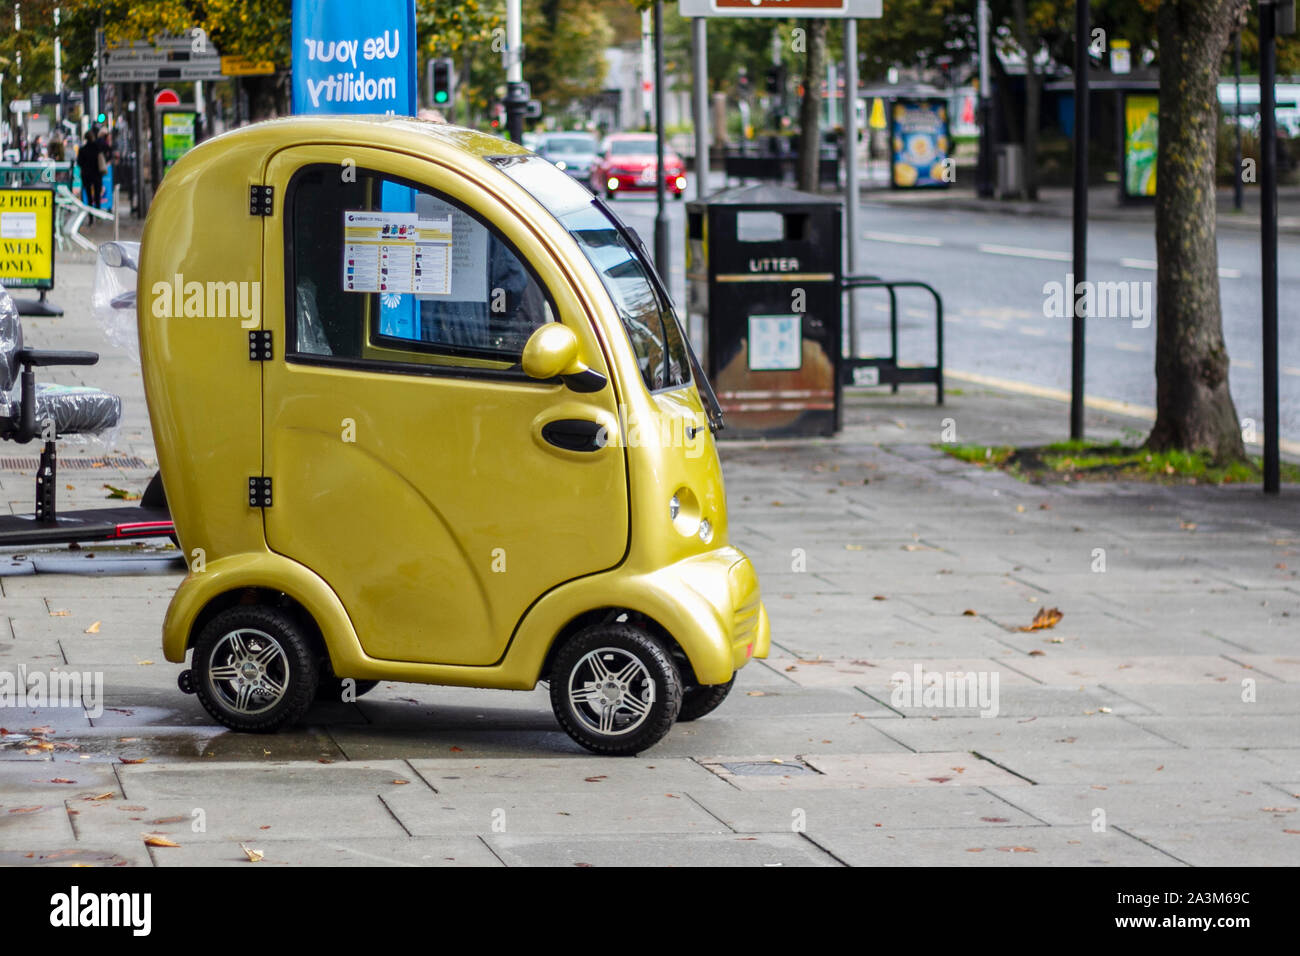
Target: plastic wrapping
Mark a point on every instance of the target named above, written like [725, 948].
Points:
[112, 300]
[11, 340]
[80, 414]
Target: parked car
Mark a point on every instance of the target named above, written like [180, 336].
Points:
[627, 164]
[574, 152]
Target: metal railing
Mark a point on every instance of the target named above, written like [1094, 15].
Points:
[885, 370]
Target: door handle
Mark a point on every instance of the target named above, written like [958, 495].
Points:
[575, 434]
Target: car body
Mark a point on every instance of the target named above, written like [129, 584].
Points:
[379, 472]
[627, 164]
[573, 152]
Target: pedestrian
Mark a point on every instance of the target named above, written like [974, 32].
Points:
[93, 164]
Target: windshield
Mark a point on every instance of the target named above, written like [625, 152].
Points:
[662, 351]
[569, 144]
[631, 147]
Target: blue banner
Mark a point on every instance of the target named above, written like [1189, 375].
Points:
[354, 57]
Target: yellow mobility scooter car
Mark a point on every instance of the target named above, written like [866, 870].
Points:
[424, 413]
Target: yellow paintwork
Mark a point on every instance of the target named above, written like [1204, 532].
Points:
[390, 541]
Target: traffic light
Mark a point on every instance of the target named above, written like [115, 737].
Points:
[101, 119]
[775, 79]
[442, 82]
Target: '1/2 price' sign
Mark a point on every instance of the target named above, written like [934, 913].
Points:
[27, 238]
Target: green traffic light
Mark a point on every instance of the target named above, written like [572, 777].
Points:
[101, 118]
[440, 96]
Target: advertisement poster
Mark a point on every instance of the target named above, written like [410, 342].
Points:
[179, 136]
[27, 238]
[351, 57]
[1141, 134]
[919, 143]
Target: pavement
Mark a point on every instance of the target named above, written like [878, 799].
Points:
[1154, 724]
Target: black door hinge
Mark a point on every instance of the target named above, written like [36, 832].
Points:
[261, 200]
[259, 345]
[259, 492]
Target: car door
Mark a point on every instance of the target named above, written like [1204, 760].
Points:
[407, 450]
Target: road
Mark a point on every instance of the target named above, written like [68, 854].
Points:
[991, 270]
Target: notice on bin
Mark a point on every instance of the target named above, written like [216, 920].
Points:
[775, 343]
[27, 238]
[396, 252]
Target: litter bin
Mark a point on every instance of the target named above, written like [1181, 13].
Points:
[763, 284]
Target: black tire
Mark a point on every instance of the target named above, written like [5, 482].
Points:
[704, 699]
[655, 677]
[331, 687]
[277, 649]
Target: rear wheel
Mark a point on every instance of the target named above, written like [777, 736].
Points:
[615, 689]
[254, 669]
[704, 699]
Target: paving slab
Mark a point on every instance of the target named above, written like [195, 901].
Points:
[990, 846]
[653, 849]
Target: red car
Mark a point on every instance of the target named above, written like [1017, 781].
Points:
[626, 164]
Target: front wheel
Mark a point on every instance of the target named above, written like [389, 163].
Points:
[254, 669]
[615, 689]
[704, 699]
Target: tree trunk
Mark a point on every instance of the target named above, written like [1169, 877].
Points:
[1194, 408]
[810, 110]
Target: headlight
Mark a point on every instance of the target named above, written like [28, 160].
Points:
[561, 164]
[612, 183]
[706, 531]
[681, 182]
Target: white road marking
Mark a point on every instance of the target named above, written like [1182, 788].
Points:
[1025, 253]
[902, 239]
[1149, 265]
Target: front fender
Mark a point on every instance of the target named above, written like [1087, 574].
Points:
[709, 603]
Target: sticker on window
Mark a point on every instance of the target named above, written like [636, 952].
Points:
[396, 252]
[775, 342]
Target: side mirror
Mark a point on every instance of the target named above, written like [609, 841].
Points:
[552, 352]
[115, 256]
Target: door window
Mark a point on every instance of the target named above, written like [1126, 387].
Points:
[385, 271]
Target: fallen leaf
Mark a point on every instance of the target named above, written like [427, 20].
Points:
[159, 841]
[164, 821]
[62, 780]
[879, 597]
[60, 613]
[1104, 710]
[399, 781]
[25, 809]
[254, 856]
[853, 547]
[755, 693]
[121, 494]
[596, 779]
[1017, 849]
[975, 849]
[456, 750]
[995, 819]
[939, 779]
[1045, 618]
[144, 663]
[103, 796]
[1036, 652]
[134, 759]
[1279, 809]
[970, 612]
